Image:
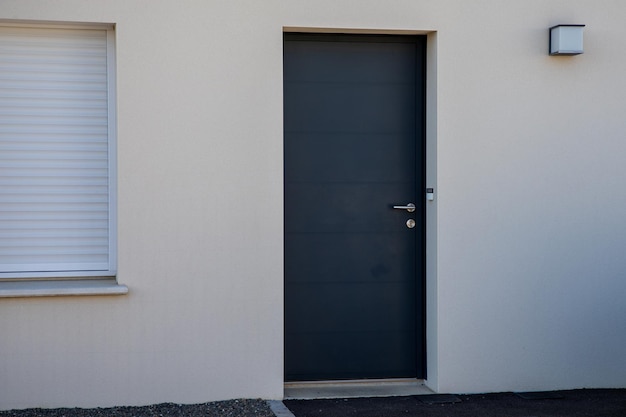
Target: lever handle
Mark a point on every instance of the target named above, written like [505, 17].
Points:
[409, 207]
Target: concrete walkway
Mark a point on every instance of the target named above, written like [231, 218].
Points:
[356, 389]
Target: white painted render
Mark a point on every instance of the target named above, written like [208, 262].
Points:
[526, 236]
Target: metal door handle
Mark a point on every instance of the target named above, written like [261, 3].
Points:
[409, 207]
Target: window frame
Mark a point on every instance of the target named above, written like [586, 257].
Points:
[76, 276]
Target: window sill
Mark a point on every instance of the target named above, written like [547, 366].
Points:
[61, 288]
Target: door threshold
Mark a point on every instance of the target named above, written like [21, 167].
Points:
[356, 388]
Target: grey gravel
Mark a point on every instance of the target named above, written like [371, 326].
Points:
[231, 408]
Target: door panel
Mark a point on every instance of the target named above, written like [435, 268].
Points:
[383, 359]
[360, 315]
[377, 108]
[353, 148]
[316, 254]
[347, 207]
[387, 156]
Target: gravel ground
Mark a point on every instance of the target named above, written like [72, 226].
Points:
[232, 408]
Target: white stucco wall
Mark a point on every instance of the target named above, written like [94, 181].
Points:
[526, 236]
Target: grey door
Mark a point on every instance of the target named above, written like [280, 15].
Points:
[354, 148]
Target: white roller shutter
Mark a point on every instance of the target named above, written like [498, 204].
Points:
[55, 148]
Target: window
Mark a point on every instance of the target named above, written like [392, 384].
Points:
[57, 152]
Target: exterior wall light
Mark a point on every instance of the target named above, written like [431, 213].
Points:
[566, 39]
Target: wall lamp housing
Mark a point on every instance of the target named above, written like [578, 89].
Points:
[566, 39]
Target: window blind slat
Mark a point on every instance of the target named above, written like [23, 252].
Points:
[56, 265]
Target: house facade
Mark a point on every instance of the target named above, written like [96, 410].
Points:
[202, 200]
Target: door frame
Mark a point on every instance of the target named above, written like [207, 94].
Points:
[429, 252]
